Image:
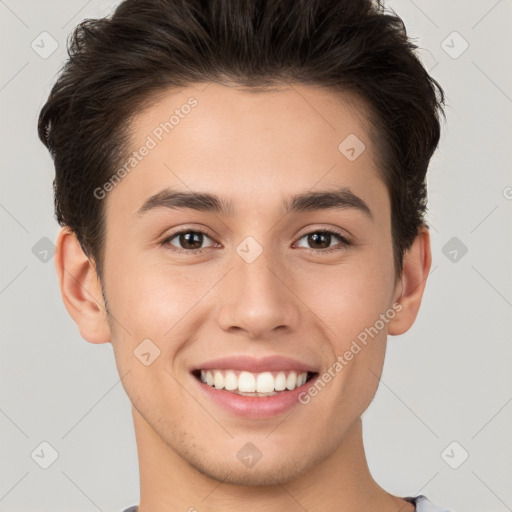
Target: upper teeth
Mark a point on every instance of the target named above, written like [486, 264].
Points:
[265, 382]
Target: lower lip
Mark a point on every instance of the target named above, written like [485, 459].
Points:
[255, 407]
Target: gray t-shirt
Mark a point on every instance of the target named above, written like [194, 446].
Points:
[421, 503]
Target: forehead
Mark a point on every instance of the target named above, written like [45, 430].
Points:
[237, 113]
[256, 146]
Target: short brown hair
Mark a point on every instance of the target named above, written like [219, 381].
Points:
[117, 63]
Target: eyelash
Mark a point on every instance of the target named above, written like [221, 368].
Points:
[345, 242]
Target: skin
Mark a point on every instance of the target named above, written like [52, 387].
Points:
[256, 149]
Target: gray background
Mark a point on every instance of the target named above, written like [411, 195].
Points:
[447, 380]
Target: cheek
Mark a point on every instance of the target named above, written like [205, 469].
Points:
[153, 303]
[157, 300]
[348, 297]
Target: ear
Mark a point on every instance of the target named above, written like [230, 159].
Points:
[409, 290]
[80, 288]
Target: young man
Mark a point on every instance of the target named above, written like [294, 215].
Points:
[241, 186]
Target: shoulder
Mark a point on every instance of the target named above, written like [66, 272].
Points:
[423, 504]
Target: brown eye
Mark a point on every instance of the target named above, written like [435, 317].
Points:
[319, 240]
[188, 240]
[322, 241]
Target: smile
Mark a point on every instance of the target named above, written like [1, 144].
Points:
[247, 383]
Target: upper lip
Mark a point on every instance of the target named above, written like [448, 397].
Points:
[251, 364]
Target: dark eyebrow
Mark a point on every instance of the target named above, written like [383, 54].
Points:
[203, 202]
[341, 198]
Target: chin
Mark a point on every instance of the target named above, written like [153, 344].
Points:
[263, 473]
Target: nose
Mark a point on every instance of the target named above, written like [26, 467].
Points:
[259, 299]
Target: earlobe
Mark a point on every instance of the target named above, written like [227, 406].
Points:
[80, 288]
[416, 267]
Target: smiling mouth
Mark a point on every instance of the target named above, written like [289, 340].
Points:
[260, 384]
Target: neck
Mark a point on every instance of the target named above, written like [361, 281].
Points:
[340, 482]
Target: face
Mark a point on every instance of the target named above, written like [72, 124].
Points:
[275, 283]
